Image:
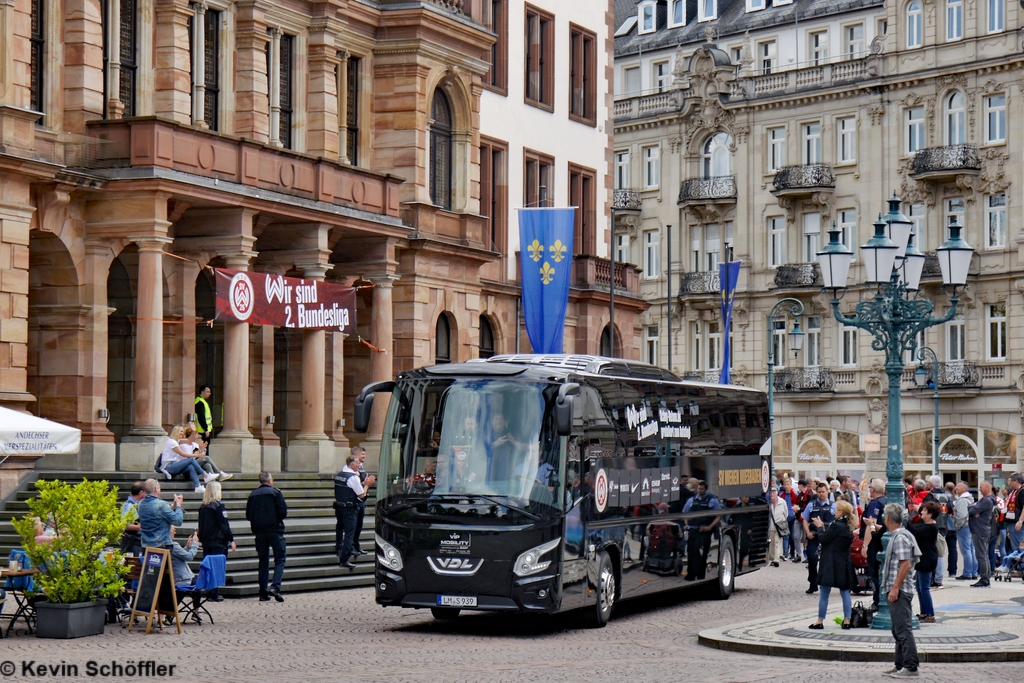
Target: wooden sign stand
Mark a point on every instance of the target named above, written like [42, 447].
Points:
[155, 597]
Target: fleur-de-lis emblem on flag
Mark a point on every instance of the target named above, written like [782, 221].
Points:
[558, 251]
[547, 273]
[536, 249]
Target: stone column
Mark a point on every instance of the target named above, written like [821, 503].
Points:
[251, 103]
[274, 79]
[139, 448]
[235, 448]
[311, 450]
[343, 76]
[83, 64]
[172, 93]
[199, 66]
[381, 364]
[322, 103]
[115, 107]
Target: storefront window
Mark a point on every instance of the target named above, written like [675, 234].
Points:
[1000, 447]
[958, 452]
[917, 449]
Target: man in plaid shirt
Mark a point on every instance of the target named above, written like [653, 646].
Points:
[897, 577]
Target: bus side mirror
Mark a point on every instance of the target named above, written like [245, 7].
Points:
[364, 404]
[563, 408]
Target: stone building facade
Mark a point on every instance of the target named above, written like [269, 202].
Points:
[746, 128]
[145, 142]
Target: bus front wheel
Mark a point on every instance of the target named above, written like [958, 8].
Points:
[601, 611]
[445, 613]
[726, 569]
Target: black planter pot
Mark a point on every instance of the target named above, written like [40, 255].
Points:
[70, 621]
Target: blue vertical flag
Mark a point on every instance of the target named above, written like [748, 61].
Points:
[728, 276]
[545, 248]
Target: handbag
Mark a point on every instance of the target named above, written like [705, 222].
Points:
[783, 530]
[859, 616]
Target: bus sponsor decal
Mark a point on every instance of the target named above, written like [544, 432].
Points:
[667, 424]
[766, 476]
[457, 543]
[601, 490]
[736, 476]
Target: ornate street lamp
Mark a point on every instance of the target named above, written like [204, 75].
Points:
[922, 378]
[895, 320]
[796, 342]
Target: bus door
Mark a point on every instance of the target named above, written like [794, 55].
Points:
[578, 494]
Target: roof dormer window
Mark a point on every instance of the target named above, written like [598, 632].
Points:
[755, 5]
[707, 10]
[776, 3]
[646, 17]
[677, 13]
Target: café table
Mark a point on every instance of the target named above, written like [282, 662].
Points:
[25, 609]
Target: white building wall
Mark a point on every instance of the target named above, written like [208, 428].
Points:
[523, 126]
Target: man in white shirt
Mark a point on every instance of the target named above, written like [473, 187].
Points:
[348, 491]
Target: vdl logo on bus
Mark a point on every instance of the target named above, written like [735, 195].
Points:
[601, 490]
[455, 566]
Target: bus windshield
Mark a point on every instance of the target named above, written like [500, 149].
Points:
[489, 438]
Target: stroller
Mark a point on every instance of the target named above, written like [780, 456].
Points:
[865, 584]
[1016, 568]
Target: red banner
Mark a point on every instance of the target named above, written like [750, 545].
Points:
[264, 299]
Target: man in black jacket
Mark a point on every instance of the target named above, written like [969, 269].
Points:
[980, 519]
[266, 511]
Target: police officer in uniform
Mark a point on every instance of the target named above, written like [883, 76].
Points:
[347, 492]
[360, 454]
[825, 510]
[700, 532]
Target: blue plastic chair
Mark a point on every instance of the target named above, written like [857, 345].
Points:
[18, 586]
[192, 597]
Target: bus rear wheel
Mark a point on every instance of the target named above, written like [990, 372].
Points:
[445, 613]
[726, 569]
[599, 614]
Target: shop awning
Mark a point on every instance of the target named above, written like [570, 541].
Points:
[24, 434]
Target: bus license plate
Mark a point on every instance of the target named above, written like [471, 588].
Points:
[456, 601]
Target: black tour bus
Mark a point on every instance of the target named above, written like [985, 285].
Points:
[542, 484]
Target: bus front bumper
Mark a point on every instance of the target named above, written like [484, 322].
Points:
[535, 594]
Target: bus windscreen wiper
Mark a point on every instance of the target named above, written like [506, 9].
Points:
[515, 508]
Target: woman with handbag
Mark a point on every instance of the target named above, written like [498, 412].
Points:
[835, 568]
[926, 533]
[780, 526]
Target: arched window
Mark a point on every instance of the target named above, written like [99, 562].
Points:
[486, 338]
[718, 156]
[606, 342]
[914, 26]
[955, 127]
[442, 341]
[441, 150]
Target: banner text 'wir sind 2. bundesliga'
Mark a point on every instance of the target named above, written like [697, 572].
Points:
[278, 301]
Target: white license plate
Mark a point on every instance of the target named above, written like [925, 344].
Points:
[456, 601]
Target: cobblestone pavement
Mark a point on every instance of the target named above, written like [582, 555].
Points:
[343, 635]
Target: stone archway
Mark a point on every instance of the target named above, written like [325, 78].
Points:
[56, 331]
[121, 343]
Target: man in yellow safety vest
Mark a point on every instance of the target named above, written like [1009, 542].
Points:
[204, 416]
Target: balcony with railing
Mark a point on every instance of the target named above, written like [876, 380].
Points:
[645, 105]
[941, 164]
[804, 380]
[626, 200]
[592, 272]
[798, 275]
[804, 76]
[700, 283]
[717, 190]
[956, 375]
[803, 181]
[706, 376]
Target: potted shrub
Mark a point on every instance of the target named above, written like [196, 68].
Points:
[80, 567]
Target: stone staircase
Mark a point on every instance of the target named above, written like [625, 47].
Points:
[311, 564]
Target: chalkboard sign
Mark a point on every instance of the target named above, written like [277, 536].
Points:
[155, 596]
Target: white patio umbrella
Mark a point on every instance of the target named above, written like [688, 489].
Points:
[24, 434]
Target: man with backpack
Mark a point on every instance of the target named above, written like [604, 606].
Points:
[937, 494]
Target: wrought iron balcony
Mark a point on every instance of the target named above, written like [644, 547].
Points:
[793, 181]
[626, 200]
[953, 375]
[721, 189]
[706, 376]
[798, 275]
[943, 163]
[700, 283]
[804, 379]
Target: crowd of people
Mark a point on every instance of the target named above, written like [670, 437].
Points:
[941, 530]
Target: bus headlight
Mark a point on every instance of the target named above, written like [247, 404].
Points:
[388, 556]
[529, 562]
